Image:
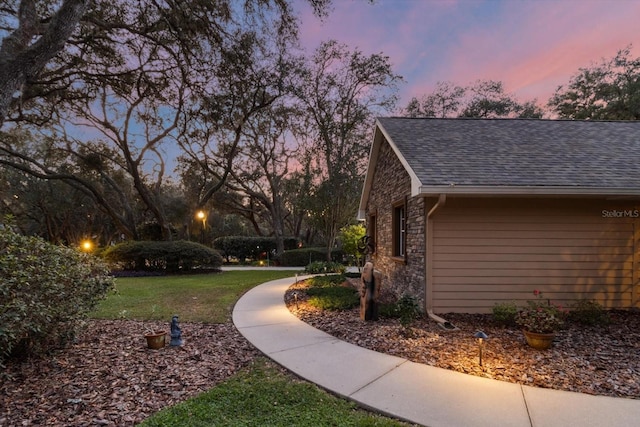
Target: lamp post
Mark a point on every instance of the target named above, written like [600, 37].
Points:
[203, 217]
[480, 336]
[86, 245]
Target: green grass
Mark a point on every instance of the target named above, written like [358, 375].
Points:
[264, 396]
[261, 395]
[205, 298]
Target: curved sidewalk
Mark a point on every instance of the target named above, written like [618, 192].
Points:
[411, 391]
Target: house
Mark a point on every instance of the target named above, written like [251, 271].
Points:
[467, 213]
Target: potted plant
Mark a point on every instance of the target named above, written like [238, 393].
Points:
[155, 339]
[539, 321]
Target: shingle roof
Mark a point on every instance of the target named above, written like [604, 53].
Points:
[543, 154]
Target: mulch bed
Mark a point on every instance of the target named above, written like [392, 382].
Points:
[594, 360]
[109, 377]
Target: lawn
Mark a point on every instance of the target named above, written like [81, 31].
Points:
[265, 396]
[206, 298]
[261, 395]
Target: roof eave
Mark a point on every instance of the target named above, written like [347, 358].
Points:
[490, 190]
[380, 135]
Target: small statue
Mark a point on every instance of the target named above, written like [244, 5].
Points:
[369, 292]
[176, 334]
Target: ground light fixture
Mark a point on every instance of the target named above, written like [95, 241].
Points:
[481, 337]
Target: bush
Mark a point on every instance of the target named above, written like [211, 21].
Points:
[180, 255]
[407, 310]
[333, 297]
[505, 313]
[46, 290]
[325, 281]
[243, 247]
[301, 257]
[587, 312]
[320, 267]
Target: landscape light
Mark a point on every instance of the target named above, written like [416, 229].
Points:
[480, 336]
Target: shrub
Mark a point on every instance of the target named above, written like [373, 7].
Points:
[505, 313]
[243, 247]
[324, 281]
[319, 267]
[587, 312]
[407, 310]
[46, 291]
[174, 256]
[302, 257]
[333, 297]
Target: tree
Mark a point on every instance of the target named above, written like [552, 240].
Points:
[443, 102]
[148, 73]
[351, 237]
[30, 45]
[46, 47]
[263, 166]
[609, 90]
[488, 100]
[483, 99]
[340, 92]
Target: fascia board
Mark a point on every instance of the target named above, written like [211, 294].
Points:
[462, 190]
[380, 134]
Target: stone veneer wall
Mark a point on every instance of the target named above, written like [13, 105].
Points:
[391, 183]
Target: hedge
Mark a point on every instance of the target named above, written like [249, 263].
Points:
[243, 247]
[305, 256]
[174, 256]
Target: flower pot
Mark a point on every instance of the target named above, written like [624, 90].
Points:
[539, 341]
[156, 340]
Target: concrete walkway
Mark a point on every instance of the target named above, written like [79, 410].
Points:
[411, 391]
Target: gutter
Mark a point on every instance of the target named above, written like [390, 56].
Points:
[444, 324]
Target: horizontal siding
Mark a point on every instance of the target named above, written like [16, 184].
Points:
[483, 255]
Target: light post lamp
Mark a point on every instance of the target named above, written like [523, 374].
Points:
[86, 245]
[202, 217]
[480, 336]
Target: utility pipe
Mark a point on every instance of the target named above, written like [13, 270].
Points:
[442, 199]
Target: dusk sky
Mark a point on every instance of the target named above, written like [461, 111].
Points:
[532, 46]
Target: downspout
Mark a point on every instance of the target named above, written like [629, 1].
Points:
[444, 324]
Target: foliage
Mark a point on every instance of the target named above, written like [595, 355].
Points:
[341, 91]
[180, 255]
[351, 237]
[333, 298]
[609, 90]
[505, 313]
[319, 267]
[45, 291]
[305, 256]
[407, 310]
[249, 399]
[205, 298]
[484, 99]
[327, 293]
[540, 316]
[326, 280]
[243, 247]
[588, 312]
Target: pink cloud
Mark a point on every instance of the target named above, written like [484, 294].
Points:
[543, 44]
[531, 46]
